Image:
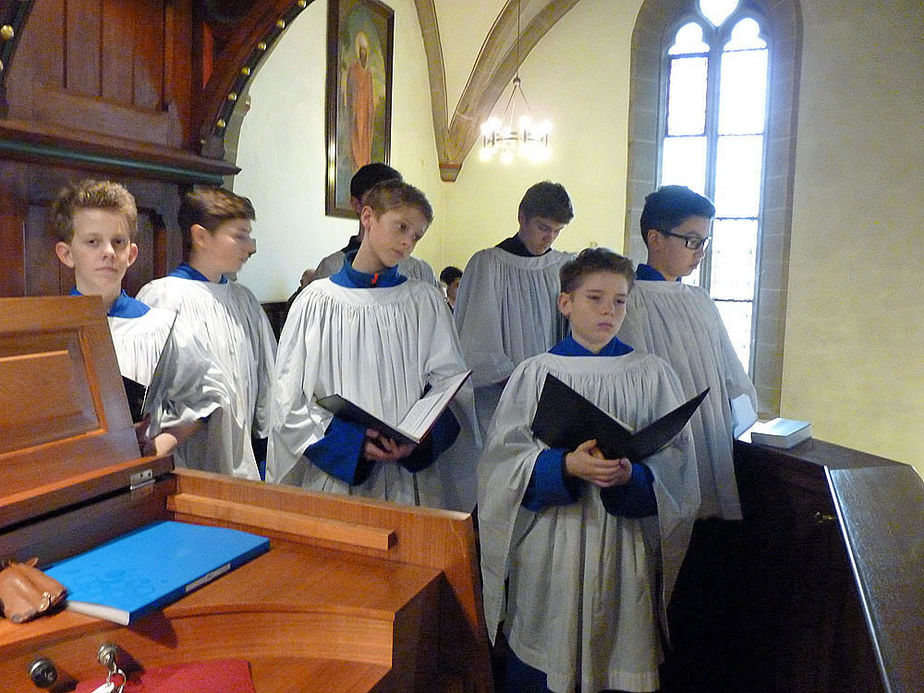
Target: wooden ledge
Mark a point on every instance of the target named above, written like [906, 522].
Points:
[350, 533]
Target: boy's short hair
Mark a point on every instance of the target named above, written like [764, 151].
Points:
[549, 200]
[393, 193]
[91, 194]
[368, 175]
[591, 260]
[671, 205]
[209, 208]
[450, 274]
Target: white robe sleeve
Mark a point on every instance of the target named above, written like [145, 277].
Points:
[296, 420]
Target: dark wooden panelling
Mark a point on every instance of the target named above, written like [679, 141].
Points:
[118, 32]
[82, 40]
[148, 54]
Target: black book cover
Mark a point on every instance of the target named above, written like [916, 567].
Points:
[418, 421]
[135, 392]
[565, 419]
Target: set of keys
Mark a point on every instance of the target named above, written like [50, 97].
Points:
[115, 678]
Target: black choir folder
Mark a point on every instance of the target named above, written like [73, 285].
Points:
[565, 419]
[151, 567]
[416, 423]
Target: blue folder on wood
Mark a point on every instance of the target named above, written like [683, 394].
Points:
[151, 567]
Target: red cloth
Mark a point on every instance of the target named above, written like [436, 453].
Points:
[225, 675]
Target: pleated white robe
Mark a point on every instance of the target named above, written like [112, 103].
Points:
[378, 348]
[191, 387]
[506, 311]
[582, 602]
[230, 322]
[681, 324]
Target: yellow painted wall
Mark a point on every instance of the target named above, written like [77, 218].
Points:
[854, 348]
[577, 76]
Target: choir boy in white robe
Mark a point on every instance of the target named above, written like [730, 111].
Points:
[217, 229]
[95, 223]
[681, 324]
[360, 183]
[505, 310]
[378, 339]
[579, 553]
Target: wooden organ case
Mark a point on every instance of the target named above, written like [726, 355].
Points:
[353, 595]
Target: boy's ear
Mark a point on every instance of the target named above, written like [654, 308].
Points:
[521, 218]
[365, 217]
[132, 254]
[564, 304]
[63, 251]
[198, 235]
[655, 239]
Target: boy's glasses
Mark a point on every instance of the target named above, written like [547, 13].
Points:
[691, 242]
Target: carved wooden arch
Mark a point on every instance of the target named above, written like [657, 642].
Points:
[493, 70]
[245, 45]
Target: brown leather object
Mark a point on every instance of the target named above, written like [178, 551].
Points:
[26, 592]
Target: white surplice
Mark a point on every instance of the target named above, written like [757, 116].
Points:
[191, 387]
[582, 601]
[378, 348]
[506, 311]
[231, 324]
[681, 324]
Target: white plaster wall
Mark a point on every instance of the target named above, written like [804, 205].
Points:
[281, 150]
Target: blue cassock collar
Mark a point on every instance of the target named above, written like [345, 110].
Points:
[569, 347]
[123, 307]
[649, 273]
[354, 279]
[185, 271]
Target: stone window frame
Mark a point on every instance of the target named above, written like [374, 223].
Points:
[781, 20]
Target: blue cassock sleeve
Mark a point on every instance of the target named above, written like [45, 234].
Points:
[443, 434]
[339, 452]
[635, 498]
[548, 485]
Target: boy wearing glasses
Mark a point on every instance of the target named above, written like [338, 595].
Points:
[681, 324]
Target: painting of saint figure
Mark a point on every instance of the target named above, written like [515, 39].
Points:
[358, 94]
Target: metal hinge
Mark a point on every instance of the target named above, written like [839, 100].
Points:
[140, 480]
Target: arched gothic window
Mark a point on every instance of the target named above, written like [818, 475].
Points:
[712, 106]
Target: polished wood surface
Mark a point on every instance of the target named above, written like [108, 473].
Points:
[354, 595]
[881, 513]
[835, 582]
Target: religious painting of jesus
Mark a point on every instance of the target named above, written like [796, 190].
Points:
[360, 37]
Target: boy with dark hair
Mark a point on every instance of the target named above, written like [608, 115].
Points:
[361, 182]
[450, 278]
[216, 226]
[578, 586]
[379, 339]
[506, 307]
[95, 223]
[681, 324]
